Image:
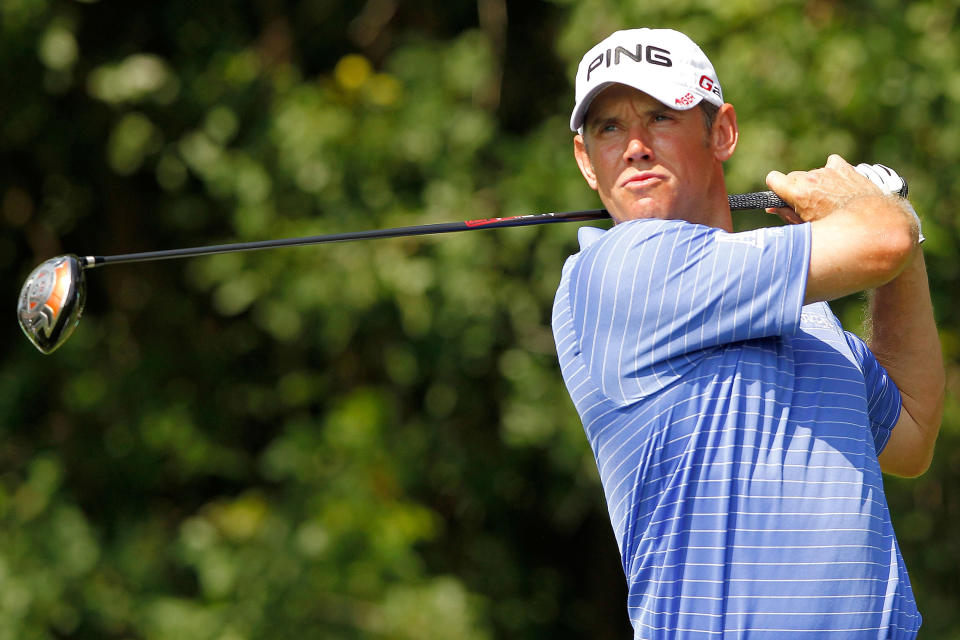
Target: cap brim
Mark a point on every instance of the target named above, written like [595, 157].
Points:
[665, 94]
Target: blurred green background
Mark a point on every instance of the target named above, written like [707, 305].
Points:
[372, 440]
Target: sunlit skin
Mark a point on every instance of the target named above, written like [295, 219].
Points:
[646, 160]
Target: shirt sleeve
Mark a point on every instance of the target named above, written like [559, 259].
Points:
[651, 296]
[884, 402]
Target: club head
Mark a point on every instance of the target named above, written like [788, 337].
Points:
[51, 302]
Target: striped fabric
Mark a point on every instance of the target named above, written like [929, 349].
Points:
[736, 433]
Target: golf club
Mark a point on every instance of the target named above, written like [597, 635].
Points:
[52, 298]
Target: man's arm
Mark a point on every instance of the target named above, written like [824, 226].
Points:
[904, 339]
[862, 240]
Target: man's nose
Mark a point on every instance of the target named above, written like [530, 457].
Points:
[637, 149]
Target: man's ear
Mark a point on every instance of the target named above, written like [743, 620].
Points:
[725, 133]
[583, 160]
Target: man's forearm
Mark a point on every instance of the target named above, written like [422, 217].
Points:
[903, 336]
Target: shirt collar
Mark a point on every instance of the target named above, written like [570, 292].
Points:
[588, 235]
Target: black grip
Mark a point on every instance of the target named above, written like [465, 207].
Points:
[770, 200]
[757, 200]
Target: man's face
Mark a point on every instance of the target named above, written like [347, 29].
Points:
[646, 160]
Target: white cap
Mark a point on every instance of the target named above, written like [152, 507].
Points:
[662, 63]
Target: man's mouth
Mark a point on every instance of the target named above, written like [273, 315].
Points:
[641, 180]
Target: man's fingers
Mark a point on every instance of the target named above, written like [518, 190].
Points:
[777, 181]
[783, 185]
[836, 161]
[786, 214]
[786, 187]
[816, 193]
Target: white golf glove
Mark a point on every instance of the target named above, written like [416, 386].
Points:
[889, 182]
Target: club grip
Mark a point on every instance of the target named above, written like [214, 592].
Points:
[756, 200]
[770, 200]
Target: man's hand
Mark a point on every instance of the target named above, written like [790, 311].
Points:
[818, 193]
[861, 237]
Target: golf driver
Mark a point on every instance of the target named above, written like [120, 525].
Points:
[51, 300]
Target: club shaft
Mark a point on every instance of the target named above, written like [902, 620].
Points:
[738, 202]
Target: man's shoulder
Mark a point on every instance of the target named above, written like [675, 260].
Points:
[648, 229]
[641, 235]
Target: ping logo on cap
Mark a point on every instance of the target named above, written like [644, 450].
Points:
[654, 55]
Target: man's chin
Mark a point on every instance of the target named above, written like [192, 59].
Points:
[645, 209]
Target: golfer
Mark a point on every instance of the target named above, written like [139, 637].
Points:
[740, 433]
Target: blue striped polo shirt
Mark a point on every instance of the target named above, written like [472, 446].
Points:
[736, 433]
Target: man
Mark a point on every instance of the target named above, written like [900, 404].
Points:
[739, 432]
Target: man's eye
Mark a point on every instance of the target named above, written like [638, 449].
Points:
[607, 127]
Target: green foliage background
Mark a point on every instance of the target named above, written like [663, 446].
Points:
[372, 440]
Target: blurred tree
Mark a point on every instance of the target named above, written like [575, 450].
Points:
[372, 439]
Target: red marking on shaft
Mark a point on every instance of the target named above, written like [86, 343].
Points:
[485, 221]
